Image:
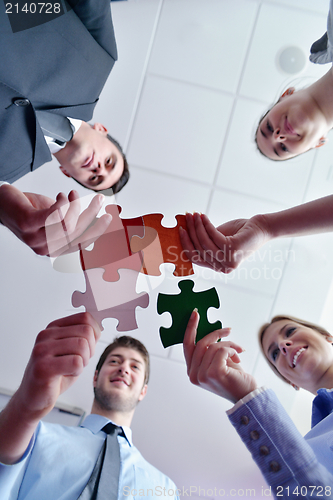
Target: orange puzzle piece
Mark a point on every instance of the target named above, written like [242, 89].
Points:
[161, 244]
[112, 249]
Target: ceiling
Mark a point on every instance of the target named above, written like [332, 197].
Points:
[193, 78]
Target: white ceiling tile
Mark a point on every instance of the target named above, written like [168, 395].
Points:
[227, 205]
[277, 28]
[307, 279]
[118, 98]
[179, 129]
[243, 168]
[319, 6]
[204, 48]
[153, 192]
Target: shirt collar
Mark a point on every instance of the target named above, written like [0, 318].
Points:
[95, 423]
[322, 405]
[54, 147]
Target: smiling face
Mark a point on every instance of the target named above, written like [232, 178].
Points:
[294, 125]
[91, 158]
[300, 354]
[119, 385]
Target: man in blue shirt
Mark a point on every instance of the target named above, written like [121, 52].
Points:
[50, 461]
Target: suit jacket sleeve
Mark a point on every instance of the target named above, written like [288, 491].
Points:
[284, 457]
[96, 16]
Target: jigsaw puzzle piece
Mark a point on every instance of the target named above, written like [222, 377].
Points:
[104, 299]
[180, 307]
[113, 246]
[133, 262]
[164, 247]
[150, 248]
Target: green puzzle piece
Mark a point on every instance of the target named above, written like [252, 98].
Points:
[180, 307]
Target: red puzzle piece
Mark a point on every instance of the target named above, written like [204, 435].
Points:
[112, 250]
[162, 244]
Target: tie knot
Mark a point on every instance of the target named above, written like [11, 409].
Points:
[112, 429]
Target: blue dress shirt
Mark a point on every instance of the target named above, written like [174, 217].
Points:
[60, 460]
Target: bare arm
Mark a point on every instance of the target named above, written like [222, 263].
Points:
[309, 218]
[51, 227]
[60, 353]
[223, 248]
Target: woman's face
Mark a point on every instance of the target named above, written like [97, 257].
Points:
[294, 125]
[301, 354]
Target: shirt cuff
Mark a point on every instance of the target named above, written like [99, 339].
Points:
[246, 399]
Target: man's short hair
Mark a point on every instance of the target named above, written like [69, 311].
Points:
[131, 343]
[118, 186]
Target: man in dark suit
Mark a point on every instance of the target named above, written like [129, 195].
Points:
[55, 69]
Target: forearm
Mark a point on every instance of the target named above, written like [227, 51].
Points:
[284, 457]
[309, 218]
[17, 427]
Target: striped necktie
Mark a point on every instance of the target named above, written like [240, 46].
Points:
[103, 483]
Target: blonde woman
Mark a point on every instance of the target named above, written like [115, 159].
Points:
[300, 353]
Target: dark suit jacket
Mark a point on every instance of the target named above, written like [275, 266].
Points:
[62, 66]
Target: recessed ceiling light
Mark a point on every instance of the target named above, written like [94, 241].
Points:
[291, 60]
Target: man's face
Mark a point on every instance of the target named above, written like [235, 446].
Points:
[119, 386]
[294, 125]
[91, 158]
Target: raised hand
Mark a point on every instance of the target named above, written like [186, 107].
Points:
[60, 353]
[215, 365]
[225, 247]
[51, 227]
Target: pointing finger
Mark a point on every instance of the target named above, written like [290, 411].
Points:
[189, 337]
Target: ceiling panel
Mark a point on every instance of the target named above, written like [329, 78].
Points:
[319, 6]
[204, 47]
[179, 129]
[123, 86]
[279, 27]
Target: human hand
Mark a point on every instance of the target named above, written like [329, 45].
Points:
[225, 247]
[214, 365]
[60, 353]
[51, 227]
